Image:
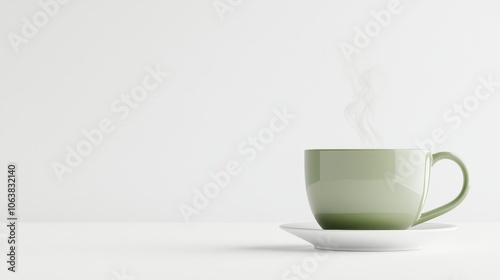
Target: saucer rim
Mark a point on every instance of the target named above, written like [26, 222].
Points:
[439, 227]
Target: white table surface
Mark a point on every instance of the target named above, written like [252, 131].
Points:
[236, 251]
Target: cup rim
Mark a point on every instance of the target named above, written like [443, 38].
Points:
[361, 150]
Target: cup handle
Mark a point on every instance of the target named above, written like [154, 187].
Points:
[455, 202]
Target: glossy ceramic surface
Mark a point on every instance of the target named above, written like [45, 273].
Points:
[372, 189]
[368, 240]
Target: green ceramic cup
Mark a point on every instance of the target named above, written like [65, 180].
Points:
[373, 188]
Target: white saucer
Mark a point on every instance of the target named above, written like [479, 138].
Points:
[367, 240]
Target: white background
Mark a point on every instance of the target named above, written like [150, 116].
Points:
[227, 76]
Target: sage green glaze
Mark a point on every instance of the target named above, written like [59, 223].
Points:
[373, 189]
[454, 203]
